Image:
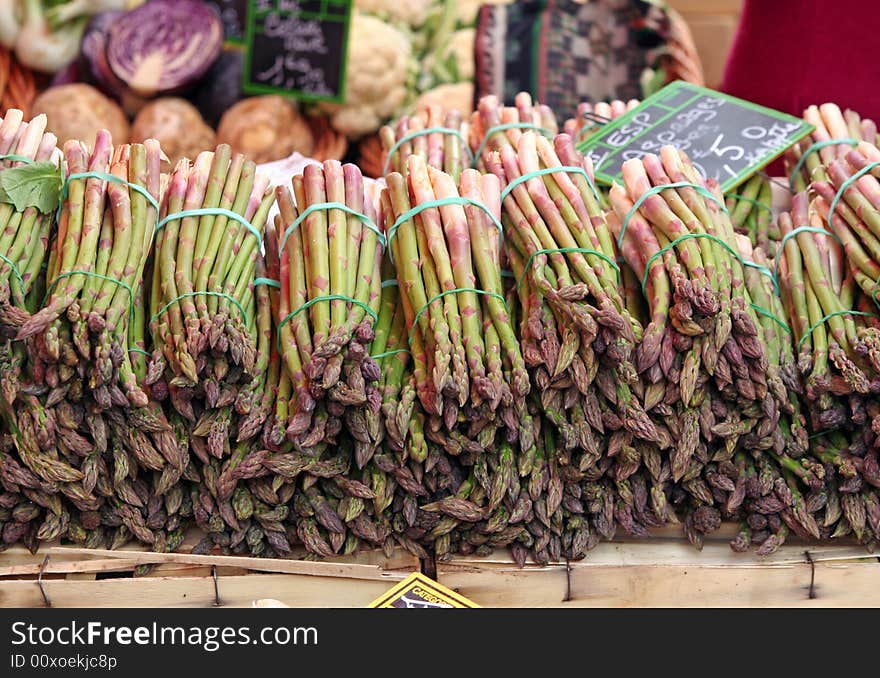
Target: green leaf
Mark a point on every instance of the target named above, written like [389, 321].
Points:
[37, 185]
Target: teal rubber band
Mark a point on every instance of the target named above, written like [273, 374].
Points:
[689, 236]
[17, 158]
[322, 206]
[812, 149]
[702, 190]
[326, 297]
[391, 282]
[567, 250]
[452, 200]
[99, 276]
[268, 282]
[112, 178]
[457, 290]
[424, 132]
[508, 274]
[767, 314]
[818, 324]
[791, 234]
[849, 182]
[15, 272]
[140, 351]
[549, 170]
[756, 203]
[388, 354]
[219, 295]
[216, 211]
[505, 126]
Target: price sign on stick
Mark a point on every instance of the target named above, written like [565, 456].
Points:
[726, 138]
[297, 48]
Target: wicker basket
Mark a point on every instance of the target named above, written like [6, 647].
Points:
[17, 86]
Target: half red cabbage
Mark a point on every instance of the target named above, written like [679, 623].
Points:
[164, 45]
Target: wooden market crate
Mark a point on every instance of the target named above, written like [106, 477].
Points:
[666, 571]
[663, 571]
[67, 576]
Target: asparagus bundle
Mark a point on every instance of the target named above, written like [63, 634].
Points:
[703, 358]
[80, 335]
[837, 353]
[445, 148]
[330, 254]
[470, 373]
[25, 233]
[209, 345]
[493, 125]
[852, 190]
[836, 132]
[591, 117]
[751, 212]
[575, 329]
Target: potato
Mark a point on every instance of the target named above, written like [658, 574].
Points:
[78, 111]
[178, 126]
[265, 128]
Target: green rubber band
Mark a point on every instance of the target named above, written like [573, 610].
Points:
[391, 282]
[549, 170]
[219, 295]
[388, 354]
[322, 206]
[99, 276]
[268, 282]
[508, 274]
[689, 236]
[113, 179]
[791, 234]
[424, 132]
[874, 291]
[767, 314]
[216, 211]
[326, 297]
[457, 290]
[818, 324]
[505, 126]
[849, 182]
[702, 190]
[756, 203]
[17, 158]
[567, 250]
[452, 200]
[140, 351]
[812, 149]
[15, 272]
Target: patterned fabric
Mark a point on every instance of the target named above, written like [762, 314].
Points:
[565, 52]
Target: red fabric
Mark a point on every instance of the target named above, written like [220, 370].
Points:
[789, 54]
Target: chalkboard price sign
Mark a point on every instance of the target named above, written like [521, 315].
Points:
[297, 48]
[726, 138]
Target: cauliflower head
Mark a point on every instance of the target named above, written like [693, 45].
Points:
[411, 12]
[376, 81]
[461, 47]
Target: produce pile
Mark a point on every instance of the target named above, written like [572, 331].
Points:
[470, 356]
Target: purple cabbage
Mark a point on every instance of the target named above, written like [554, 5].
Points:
[164, 46]
[94, 55]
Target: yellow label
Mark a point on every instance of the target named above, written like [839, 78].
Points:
[420, 592]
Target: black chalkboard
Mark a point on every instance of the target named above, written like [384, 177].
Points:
[726, 138]
[233, 13]
[297, 48]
